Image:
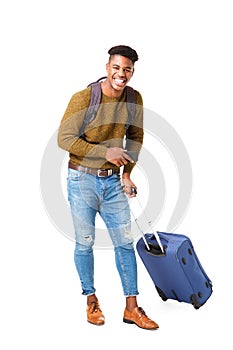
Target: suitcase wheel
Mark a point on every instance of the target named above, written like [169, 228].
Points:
[161, 293]
[195, 302]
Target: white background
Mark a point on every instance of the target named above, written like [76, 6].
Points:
[51, 49]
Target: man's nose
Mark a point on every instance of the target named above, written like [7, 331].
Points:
[121, 72]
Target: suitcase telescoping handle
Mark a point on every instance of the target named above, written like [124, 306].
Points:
[133, 190]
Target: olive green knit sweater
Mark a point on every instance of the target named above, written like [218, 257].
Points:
[106, 130]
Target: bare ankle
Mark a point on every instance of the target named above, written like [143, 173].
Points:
[131, 303]
[91, 299]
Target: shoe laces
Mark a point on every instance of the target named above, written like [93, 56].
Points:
[142, 311]
[94, 306]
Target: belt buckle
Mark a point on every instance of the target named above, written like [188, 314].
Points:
[108, 171]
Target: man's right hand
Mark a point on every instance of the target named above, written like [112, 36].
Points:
[118, 156]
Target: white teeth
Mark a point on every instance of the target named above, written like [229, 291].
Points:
[119, 81]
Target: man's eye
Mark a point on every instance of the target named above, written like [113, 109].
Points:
[126, 70]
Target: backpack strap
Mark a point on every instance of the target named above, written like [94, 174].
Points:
[93, 106]
[97, 81]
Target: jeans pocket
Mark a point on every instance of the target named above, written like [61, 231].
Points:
[75, 175]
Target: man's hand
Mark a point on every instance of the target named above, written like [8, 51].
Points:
[118, 156]
[128, 184]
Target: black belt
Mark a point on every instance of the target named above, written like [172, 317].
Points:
[93, 171]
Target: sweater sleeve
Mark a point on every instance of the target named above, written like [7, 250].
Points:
[69, 131]
[135, 134]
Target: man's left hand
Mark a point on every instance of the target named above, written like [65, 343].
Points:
[128, 184]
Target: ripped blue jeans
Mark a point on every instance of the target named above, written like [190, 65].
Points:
[88, 195]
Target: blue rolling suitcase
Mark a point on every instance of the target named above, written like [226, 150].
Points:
[176, 271]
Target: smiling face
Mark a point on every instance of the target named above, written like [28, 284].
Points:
[119, 72]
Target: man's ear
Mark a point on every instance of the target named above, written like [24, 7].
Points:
[107, 67]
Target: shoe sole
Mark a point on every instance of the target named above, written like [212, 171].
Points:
[96, 324]
[125, 320]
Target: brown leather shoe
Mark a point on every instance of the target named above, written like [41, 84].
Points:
[94, 314]
[139, 317]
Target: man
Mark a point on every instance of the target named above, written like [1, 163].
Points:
[94, 181]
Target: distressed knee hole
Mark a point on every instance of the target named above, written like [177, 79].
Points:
[88, 238]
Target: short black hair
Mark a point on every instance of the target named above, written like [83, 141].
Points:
[125, 51]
